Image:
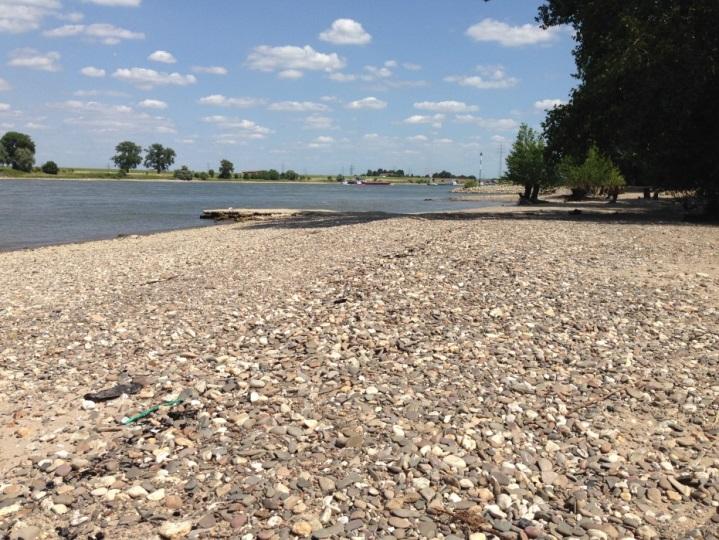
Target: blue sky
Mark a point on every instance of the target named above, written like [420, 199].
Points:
[315, 86]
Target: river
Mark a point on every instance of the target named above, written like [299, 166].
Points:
[42, 212]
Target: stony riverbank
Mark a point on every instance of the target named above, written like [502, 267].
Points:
[395, 378]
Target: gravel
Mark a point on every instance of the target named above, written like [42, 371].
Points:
[399, 378]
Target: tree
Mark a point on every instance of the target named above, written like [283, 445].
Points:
[50, 167]
[159, 158]
[183, 173]
[226, 169]
[646, 97]
[596, 173]
[272, 174]
[19, 150]
[24, 160]
[526, 163]
[128, 155]
[3, 155]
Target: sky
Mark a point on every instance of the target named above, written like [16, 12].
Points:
[317, 86]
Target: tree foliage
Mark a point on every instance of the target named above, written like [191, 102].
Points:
[648, 75]
[183, 173]
[596, 173]
[50, 167]
[526, 163]
[19, 150]
[128, 155]
[226, 169]
[3, 155]
[159, 158]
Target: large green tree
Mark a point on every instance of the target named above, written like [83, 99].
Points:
[19, 150]
[648, 75]
[526, 163]
[128, 155]
[226, 169]
[159, 158]
[3, 155]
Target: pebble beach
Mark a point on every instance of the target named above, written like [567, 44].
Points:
[388, 378]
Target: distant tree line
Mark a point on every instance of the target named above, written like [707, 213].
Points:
[392, 173]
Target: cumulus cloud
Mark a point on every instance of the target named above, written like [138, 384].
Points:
[290, 74]
[33, 59]
[342, 77]
[218, 100]
[164, 57]
[4, 107]
[499, 124]
[146, 79]
[489, 78]
[491, 30]
[445, 106]
[152, 104]
[322, 141]
[316, 121]
[4, 85]
[547, 104]
[346, 32]
[298, 106]
[107, 34]
[90, 71]
[435, 120]
[210, 70]
[240, 128]
[367, 103]
[98, 117]
[418, 138]
[18, 16]
[291, 61]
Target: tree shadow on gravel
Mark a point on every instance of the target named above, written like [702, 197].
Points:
[581, 213]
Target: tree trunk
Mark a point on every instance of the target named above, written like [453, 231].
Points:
[527, 191]
[647, 193]
[535, 193]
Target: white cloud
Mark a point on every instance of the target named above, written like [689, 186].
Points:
[443, 141]
[32, 59]
[239, 128]
[113, 3]
[547, 104]
[95, 93]
[316, 121]
[346, 32]
[218, 100]
[342, 77]
[4, 85]
[435, 120]
[290, 61]
[152, 104]
[491, 30]
[322, 141]
[4, 107]
[163, 57]
[17, 16]
[367, 103]
[99, 117]
[489, 78]
[499, 139]
[73, 17]
[445, 106]
[418, 138]
[90, 71]
[298, 106]
[371, 136]
[104, 33]
[211, 70]
[149, 78]
[500, 124]
[36, 125]
[374, 72]
[290, 74]
[411, 67]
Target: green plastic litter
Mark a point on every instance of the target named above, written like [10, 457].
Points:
[148, 412]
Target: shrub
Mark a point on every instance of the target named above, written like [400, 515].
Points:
[50, 168]
[183, 173]
[211, 173]
[203, 176]
[469, 184]
[596, 173]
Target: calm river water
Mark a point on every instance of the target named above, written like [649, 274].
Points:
[41, 212]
